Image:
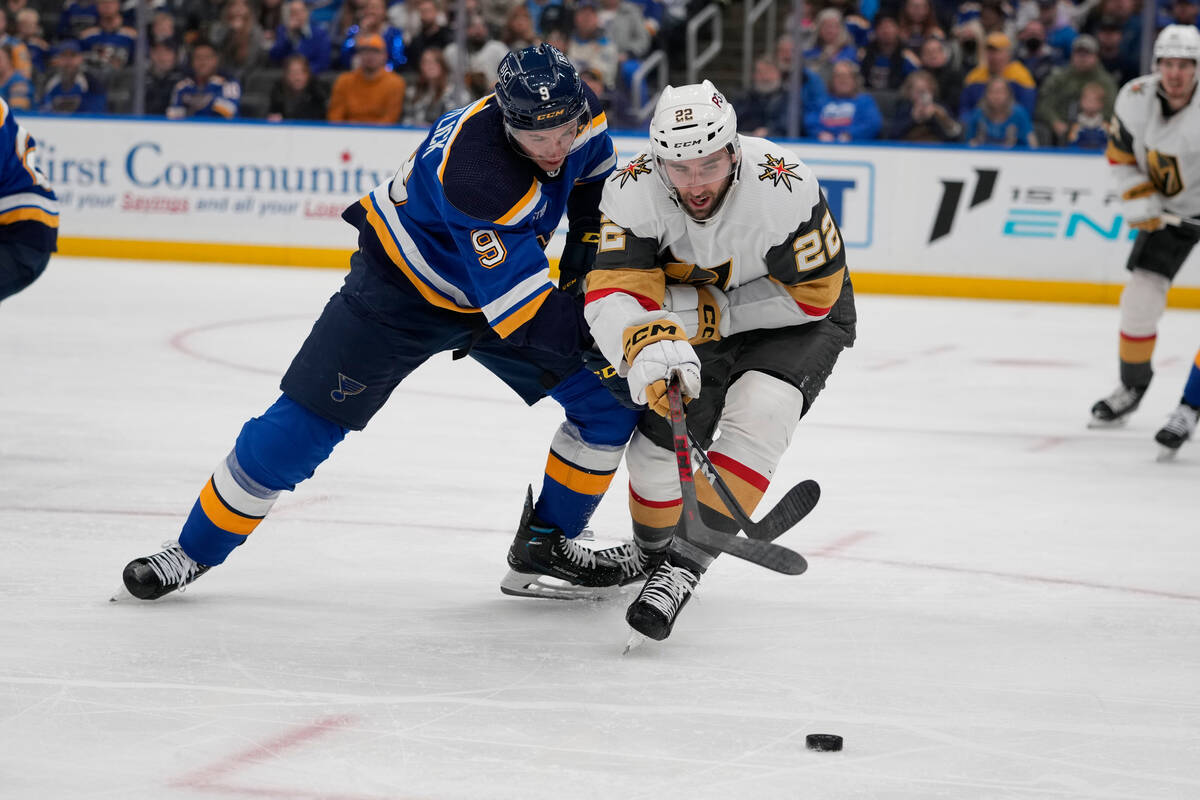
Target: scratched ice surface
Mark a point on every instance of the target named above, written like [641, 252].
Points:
[1000, 603]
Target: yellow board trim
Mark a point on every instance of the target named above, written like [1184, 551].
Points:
[868, 282]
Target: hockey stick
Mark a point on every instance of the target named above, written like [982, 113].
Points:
[1187, 223]
[763, 553]
[794, 506]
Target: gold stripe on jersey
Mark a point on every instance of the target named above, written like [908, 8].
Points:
[522, 315]
[648, 283]
[821, 293]
[393, 250]
[1120, 143]
[522, 206]
[28, 214]
[1144, 189]
[222, 515]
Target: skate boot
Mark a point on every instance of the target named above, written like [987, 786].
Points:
[152, 577]
[1116, 408]
[664, 595]
[543, 562]
[636, 562]
[1179, 428]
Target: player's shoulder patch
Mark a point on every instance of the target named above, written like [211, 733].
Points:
[777, 169]
[635, 168]
[483, 177]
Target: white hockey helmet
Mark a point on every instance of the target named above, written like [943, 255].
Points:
[1178, 41]
[692, 121]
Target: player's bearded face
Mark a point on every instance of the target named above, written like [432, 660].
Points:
[701, 182]
[1178, 77]
[549, 147]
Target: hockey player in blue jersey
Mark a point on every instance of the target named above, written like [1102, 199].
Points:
[28, 209]
[450, 259]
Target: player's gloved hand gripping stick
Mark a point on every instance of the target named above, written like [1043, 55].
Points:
[760, 550]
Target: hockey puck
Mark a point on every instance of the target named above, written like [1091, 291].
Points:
[825, 742]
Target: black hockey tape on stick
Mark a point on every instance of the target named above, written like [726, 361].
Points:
[794, 506]
[1187, 223]
[765, 554]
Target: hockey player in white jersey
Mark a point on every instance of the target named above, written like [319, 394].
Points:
[720, 263]
[1154, 153]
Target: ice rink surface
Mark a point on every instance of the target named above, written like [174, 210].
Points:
[1000, 603]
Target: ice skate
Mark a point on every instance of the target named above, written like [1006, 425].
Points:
[152, 577]
[635, 562]
[1178, 429]
[1115, 409]
[543, 562]
[664, 595]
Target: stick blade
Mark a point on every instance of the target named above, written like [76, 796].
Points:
[795, 506]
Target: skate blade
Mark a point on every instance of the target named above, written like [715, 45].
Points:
[1166, 454]
[522, 584]
[1100, 424]
[121, 595]
[636, 640]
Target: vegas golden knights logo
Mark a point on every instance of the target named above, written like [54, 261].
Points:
[1164, 173]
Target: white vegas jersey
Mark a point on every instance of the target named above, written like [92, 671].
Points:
[1147, 145]
[773, 247]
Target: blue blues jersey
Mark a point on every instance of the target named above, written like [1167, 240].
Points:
[28, 207]
[109, 48]
[218, 97]
[466, 219]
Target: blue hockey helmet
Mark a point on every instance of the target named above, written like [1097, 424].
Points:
[538, 87]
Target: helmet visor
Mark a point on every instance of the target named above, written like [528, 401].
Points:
[701, 171]
[550, 144]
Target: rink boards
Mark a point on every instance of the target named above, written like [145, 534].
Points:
[916, 220]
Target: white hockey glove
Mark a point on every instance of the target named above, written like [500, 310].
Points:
[656, 351]
[1143, 207]
[704, 311]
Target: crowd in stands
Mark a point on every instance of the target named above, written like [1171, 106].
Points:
[1025, 73]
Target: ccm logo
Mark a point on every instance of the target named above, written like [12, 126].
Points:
[655, 329]
[688, 144]
[551, 114]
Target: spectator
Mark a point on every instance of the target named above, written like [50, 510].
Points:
[430, 31]
[519, 31]
[978, 21]
[71, 89]
[207, 93]
[270, 17]
[1185, 12]
[547, 15]
[813, 93]
[1037, 56]
[1056, 22]
[162, 27]
[885, 63]
[589, 48]
[833, 43]
[1114, 57]
[109, 43]
[625, 26]
[22, 62]
[762, 108]
[29, 32]
[850, 114]
[483, 57]
[919, 115]
[1089, 129]
[431, 94]
[333, 16]
[917, 23]
[1061, 90]
[935, 59]
[15, 88]
[162, 76]
[239, 40]
[372, 21]
[998, 63]
[369, 93]
[296, 95]
[76, 17]
[297, 36]
[998, 119]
